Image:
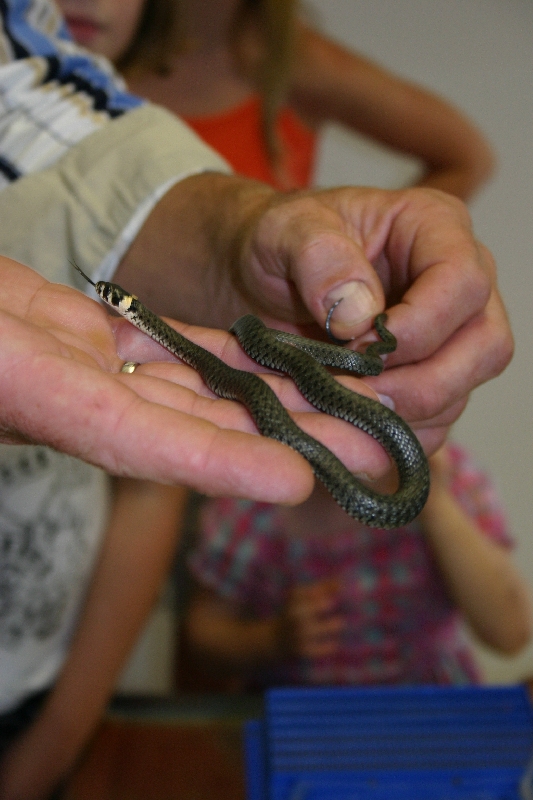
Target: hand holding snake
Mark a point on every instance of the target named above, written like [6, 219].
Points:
[304, 360]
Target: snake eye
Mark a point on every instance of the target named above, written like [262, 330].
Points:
[117, 297]
[105, 291]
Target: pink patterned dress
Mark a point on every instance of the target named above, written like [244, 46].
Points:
[401, 626]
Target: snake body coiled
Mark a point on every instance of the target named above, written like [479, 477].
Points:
[303, 360]
[299, 357]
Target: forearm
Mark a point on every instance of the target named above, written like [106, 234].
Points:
[128, 577]
[455, 156]
[184, 262]
[135, 558]
[461, 180]
[332, 83]
[479, 575]
[220, 640]
[88, 207]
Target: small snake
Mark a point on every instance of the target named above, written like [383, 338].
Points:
[303, 360]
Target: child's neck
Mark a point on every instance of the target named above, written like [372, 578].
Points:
[208, 24]
[203, 79]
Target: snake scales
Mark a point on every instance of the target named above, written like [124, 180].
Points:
[299, 357]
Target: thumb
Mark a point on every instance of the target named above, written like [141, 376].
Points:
[306, 244]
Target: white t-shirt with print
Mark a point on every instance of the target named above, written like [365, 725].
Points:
[53, 513]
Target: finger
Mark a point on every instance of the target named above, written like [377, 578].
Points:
[319, 630]
[445, 299]
[307, 609]
[212, 460]
[308, 604]
[398, 236]
[18, 286]
[475, 353]
[90, 414]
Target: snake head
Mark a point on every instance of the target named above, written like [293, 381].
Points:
[111, 293]
[115, 296]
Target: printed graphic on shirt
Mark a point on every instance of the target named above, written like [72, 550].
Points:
[45, 539]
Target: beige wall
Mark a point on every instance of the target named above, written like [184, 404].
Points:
[478, 54]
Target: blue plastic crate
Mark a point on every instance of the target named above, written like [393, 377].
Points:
[432, 743]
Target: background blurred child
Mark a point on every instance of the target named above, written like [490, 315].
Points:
[258, 84]
[308, 595]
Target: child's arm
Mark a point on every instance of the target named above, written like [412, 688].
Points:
[478, 572]
[136, 553]
[334, 84]
[220, 638]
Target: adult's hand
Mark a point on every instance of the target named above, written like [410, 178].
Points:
[290, 257]
[61, 385]
[413, 253]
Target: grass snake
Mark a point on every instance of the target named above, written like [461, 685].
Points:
[305, 361]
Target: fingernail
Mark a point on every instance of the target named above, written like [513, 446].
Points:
[386, 400]
[357, 305]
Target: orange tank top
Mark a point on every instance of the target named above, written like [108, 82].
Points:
[237, 135]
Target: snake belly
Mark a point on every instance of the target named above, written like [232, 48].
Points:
[297, 356]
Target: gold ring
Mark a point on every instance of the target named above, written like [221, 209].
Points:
[129, 366]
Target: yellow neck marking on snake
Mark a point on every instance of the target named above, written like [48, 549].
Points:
[115, 296]
[125, 303]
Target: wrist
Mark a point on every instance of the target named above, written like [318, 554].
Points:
[228, 209]
[189, 255]
[234, 255]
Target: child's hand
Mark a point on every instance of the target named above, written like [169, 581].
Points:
[310, 626]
